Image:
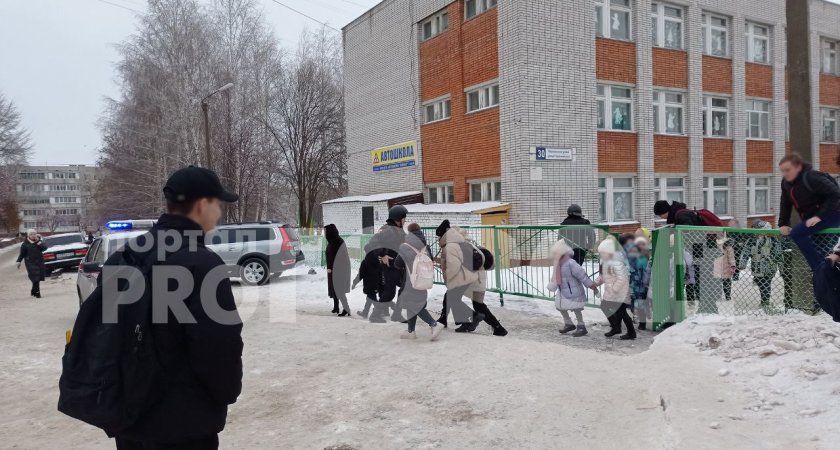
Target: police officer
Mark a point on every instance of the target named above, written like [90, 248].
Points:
[203, 359]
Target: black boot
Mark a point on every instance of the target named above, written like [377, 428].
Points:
[643, 326]
[442, 321]
[567, 329]
[581, 331]
[499, 331]
[629, 336]
[344, 313]
[463, 328]
[476, 321]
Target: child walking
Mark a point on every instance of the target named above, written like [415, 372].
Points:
[639, 265]
[615, 300]
[569, 282]
[415, 261]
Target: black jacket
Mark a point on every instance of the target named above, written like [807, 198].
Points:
[386, 242]
[338, 262]
[681, 215]
[821, 199]
[202, 361]
[32, 255]
[578, 238]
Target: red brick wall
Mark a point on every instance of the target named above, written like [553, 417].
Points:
[828, 158]
[759, 80]
[717, 74]
[717, 155]
[829, 90]
[464, 55]
[760, 157]
[618, 152]
[670, 154]
[670, 68]
[626, 228]
[615, 60]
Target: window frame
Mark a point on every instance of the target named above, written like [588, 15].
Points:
[606, 7]
[609, 190]
[751, 36]
[834, 120]
[753, 188]
[444, 191]
[709, 190]
[659, 21]
[491, 190]
[834, 52]
[481, 7]
[660, 106]
[438, 23]
[445, 105]
[607, 97]
[709, 111]
[708, 29]
[486, 89]
[749, 110]
[661, 189]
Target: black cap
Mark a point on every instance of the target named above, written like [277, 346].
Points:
[398, 212]
[661, 207]
[442, 228]
[192, 183]
[575, 210]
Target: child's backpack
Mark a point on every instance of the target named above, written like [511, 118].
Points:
[704, 216]
[477, 257]
[422, 274]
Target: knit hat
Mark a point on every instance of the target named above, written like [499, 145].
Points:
[442, 228]
[560, 248]
[645, 232]
[641, 240]
[661, 207]
[607, 246]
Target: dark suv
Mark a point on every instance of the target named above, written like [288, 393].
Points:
[259, 249]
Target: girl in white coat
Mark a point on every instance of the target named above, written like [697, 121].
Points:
[615, 299]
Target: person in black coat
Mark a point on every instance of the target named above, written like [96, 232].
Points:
[582, 240]
[32, 254]
[381, 251]
[338, 270]
[201, 354]
[815, 196]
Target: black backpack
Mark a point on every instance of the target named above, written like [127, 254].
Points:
[111, 373]
[819, 174]
[476, 257]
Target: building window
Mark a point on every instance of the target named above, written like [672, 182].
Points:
[612, 19]
[483, 97]
[486, 191]
[667, 25]
[716, 195]
[829, 125]
[758, 43]
[473, 8]
[671, 189]
[758, 119]
[435, 25]
[829, 57]
[32, 175]
[615, 197]
[715, 116]
[759, 195]
[615, 108]
[67, 200]
[668, 112]
[441, 194]
[437, 110]
[715, 35]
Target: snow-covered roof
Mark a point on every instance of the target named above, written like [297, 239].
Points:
[372, 198]
[454, 207]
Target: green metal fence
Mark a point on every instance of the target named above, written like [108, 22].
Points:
[771, 276]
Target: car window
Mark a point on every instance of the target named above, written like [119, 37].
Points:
[99, 254]
[251, 234]
[92, 251]
[64, 240]
[219, 237]
[292, 233]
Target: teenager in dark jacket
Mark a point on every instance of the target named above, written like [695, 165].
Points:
[581, 240]
[382, 250]
[32, 254]
[676, 213]
[816, 198]
[412, 299]
[338, 270]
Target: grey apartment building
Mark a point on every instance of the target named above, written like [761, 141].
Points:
[55, 199]
[611, 104]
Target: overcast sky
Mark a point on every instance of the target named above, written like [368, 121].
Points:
[57, 61]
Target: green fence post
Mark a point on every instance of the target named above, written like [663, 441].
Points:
[679, 283]
[497, 270]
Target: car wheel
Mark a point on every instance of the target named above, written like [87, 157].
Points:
[254, 272]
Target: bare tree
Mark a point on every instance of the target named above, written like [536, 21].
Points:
[307, 124]
[15, 147]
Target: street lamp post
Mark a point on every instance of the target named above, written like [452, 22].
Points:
[204, 108]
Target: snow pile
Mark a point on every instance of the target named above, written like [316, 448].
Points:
[781, 366]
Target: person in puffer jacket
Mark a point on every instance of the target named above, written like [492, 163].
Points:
[615, 298]
[569, 283]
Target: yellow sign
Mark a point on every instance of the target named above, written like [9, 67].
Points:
[395, 156]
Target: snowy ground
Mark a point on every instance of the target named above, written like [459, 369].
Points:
[328, 382]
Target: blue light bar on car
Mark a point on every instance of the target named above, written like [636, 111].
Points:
[123, 226]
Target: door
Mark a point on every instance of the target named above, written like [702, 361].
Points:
[87, 281]
[367, 219]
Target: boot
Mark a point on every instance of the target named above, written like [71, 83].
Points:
[477, 319]
[443, 321]
[612, 332]
[436, 331]
[344, 313]
[628, 337]
[499, 331]
[643, 326]
[567, 328]
[464, 328]
[581, 331]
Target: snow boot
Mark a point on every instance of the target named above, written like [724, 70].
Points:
[643, 326]
[408, 335]
[499, 331]
[612, 332]
[581, 331]
[344, 313]
[477, 319]
[442, 321]
[628, 336]
[436, 331]
[567, 328]
[360, 314]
